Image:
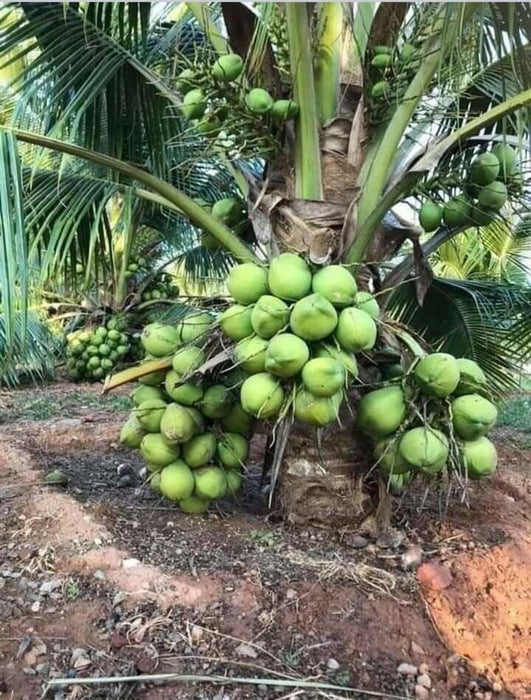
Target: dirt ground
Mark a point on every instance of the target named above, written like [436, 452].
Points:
[100, 578]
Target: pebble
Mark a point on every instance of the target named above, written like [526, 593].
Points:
[100, 575]
[423, 668]
[407, 670]
[48, 586]
[497, 687]
[130, 563]
[77, 653]
[43, 669]
[118, 598]
[291, 594]
[417, 649]
[196, 634]
[411, 557]
[332, 665]
[392, 539]
[126, 480]
[36, 606]
[355, 541]
[421, 692]
[246, 650]
[424, 680]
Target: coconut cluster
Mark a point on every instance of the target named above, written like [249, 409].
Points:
[162, 287]
[92, 353]
[484, 194]
[296, 334]
[192, 432]
[392, 66]
[434, 416]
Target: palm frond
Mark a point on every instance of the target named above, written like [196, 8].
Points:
[32, 350]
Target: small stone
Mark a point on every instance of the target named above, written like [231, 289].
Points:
[411, 557]
[291, 594]
[407, 670]
[100, 575]
[332, 665]
[434, 576]
[392, 539]
[43, 669]
[118, 598]
[454, 659]
[418, 650]
[98, 541]
[81, 662]
[423, 668]
[36, 606]
[421, 692]
[424, 680]
[497, 687]
[196, 634]
[130, 563]
[48, 586]
[355, 541]
[29, 671]
[126, 480]
[246, 650]
[77, 653]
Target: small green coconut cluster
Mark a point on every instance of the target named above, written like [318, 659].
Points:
[93, 353]
[162, 287]
[393, 67]
[193, 433]
[135, 266]
[295, 334]
[484, 194]
[435, 416]
[231, 211]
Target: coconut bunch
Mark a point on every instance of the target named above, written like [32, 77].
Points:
[192, 432]
[491, 176]
[434, 417]
[135, 265]
[93, 353]
[392, 68]
[162, 287]
[295, 334]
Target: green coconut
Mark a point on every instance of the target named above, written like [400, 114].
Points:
[424, 448]
[382, 61]
[234, 481]
[149, 414]
[483, 217]
[197, 419]
[194, 104]
[382, 49]
[380, 89]
[289, 277]
[313, 317]
[228, 210]
[316, 410]
[367, 302]
[200, 450]
[194, 505]
[227, 68]
[473, 416]
[336, 284]
[217, 401]
[160, 340]
[507, 157]
[154, 482]
[177, 424]
[430, 216]
[210, 482]
[394, 371]
[235, 322]
[479, 458]
[208, 125]
[347, 360]
[177, 481]
[250, 354]
[472, 379]
[396, 483]
[484, 169]
[233, 449]
[438, 374]
[269, 316]
[407, 52]
[390, 461]
[186, 81]
[186, 393]
[187, 360]
[284, 109]
[380, 412]
[457, 212]
[493, 195]
[261, 395]
[156, 451]
[247, 283]
[259, 101]
[356, 330]
[323, 376]
[195, 327]
[286, 355]
[132, 432]
[237, 420]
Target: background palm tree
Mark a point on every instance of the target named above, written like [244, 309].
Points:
[99, 82]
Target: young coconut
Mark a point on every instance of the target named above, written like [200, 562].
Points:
[315, 410]
[507, 157]
[197, 419]
[200, 450]
[313, 318]
[289, 277]
[145, 393]
[479, 458]
[284, 109]
[430, 216]
[187, 360]
[344, 358]
[132, 432]
[194, 104]
[176, 481]
[250, 354]
[438, 374]
[366, 302]
[336, 284]
[210, 482]
[380, 412]
[195, 327]
[177, 424]
[149, 414]
[457, 212]
[217, 401]
[262, 395]
[186, 393]
[233, 450]
[194, 505]
[159, 340]
[493, 196]
[234, 481]
[269, 316]
[235, 322]
[472, 379]
[286, 355]
[390, 461]
[237, 420]
[227, 68]
[156, 451]
[247, 283]
[484, 169]
[259, 101]
[424, 448]
[356, 330]
[228, 210]
[473, 416]
[154, 482]
[323, 376]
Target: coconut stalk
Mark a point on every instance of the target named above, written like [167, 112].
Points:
[327, 65]
[308, 184]
[195, 213]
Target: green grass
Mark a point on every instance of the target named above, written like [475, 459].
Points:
[23, 405]
[516, 413]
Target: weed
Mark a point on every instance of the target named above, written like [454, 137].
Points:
[516, 413]
[263, 538]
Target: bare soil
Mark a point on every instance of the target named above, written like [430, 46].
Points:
[99, 578]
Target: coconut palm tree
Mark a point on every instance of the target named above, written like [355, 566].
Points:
[394, 102]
